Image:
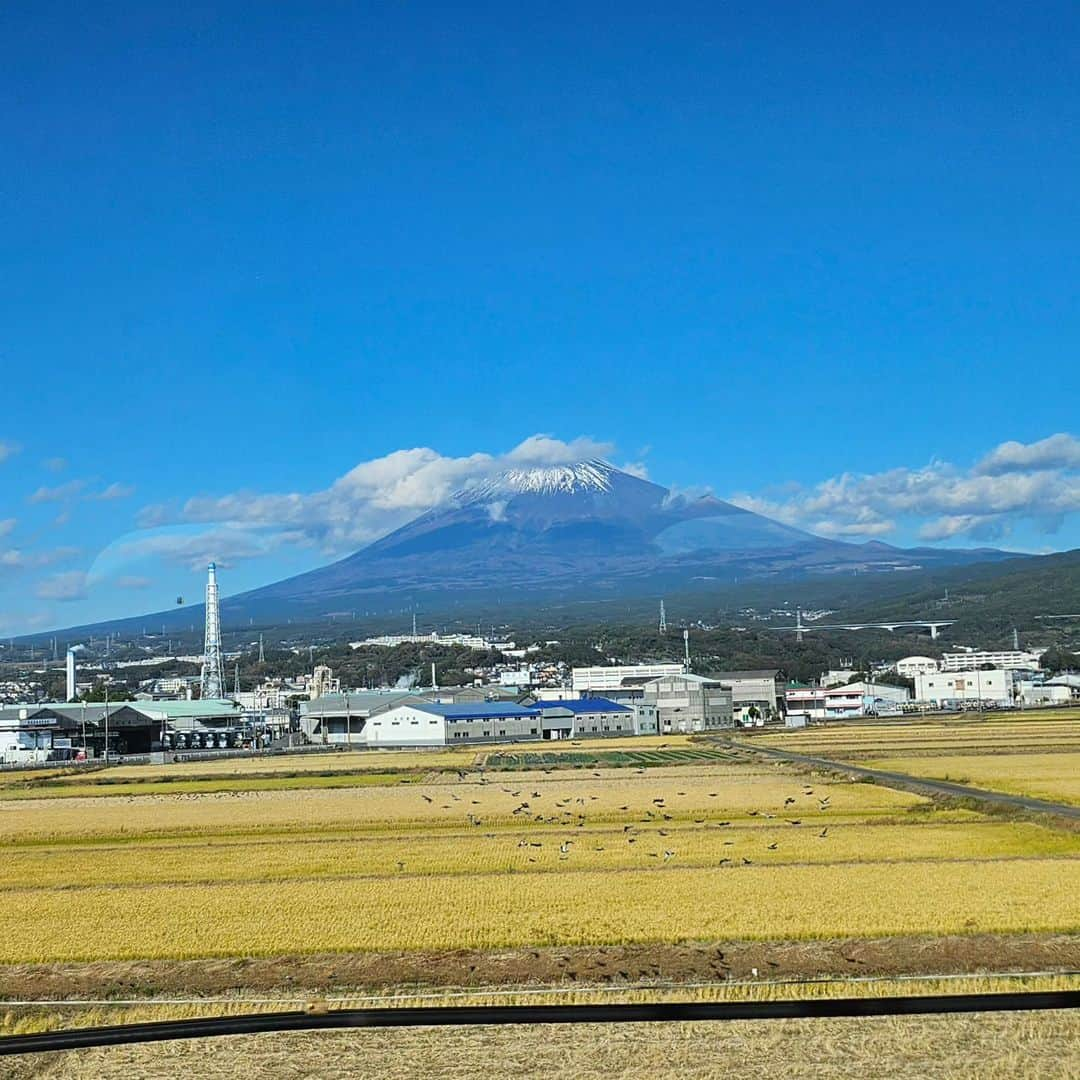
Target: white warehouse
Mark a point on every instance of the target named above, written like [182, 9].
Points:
[591, 680]
[945, 687]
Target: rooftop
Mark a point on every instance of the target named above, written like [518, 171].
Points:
[584, 705]
[476, 710]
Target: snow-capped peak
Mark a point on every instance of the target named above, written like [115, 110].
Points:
[544, 480]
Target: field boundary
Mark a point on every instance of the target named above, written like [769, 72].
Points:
[485, 1015]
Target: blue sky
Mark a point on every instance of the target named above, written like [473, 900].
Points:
[823, 259]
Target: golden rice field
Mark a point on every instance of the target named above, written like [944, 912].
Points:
[572, 907]
[497, 860]
[1055, 777]
[689, 793]
[533, 851]
[931, 737]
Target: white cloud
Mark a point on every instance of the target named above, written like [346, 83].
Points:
[58, 493]
[636, 468]
[55, 464]
[7, 526]
[372, 498]
[1037, 482]
[27, 559]
[1060, 451]
[114, 491]
[7, 450]
[69, 585]
[225, 545]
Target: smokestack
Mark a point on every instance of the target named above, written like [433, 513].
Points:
[70, 675]
[434, 685]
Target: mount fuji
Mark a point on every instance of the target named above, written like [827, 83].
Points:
[586, 529]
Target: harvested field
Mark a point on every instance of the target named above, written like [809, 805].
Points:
[1005, 1046]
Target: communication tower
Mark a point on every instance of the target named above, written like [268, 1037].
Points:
[212, 683]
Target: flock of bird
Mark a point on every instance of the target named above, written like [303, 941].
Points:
[568, 815]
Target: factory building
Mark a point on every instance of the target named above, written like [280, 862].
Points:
[946, 689]
[586, 718]
[754, 691]
[433, 723]
[597, 680]
[436, 723]
[78, 730]
[343, 717]
[689, 703]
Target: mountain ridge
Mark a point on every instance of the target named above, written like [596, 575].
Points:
[584, 528]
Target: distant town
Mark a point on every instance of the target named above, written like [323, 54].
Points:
[117, 704]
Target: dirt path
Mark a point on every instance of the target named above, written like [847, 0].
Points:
[611, 965]
[917, 784]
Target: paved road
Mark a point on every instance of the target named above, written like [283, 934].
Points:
[918, 784]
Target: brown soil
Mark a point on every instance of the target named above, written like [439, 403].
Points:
[614, 965]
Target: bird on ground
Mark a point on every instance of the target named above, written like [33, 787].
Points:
[746, 861]
[823, 832]
[773, 847]
[564, 847]
[401, 866]
[792, 822]
[789, 801]
[669, 855]
[427, 798]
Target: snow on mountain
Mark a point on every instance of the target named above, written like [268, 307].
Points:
[542, 480]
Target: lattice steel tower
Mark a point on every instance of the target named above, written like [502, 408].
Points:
[663, 619]
[212, 683]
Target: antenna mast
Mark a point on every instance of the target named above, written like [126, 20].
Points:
[663, 618]
[212, 683]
